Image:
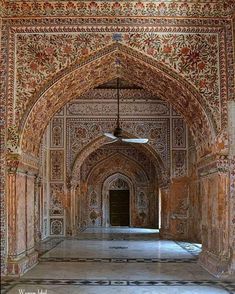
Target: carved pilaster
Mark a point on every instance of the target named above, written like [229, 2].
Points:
[37, 216]
[214, 189]
[165, 215]
[231, 129]
[12, 166]
[19, 259]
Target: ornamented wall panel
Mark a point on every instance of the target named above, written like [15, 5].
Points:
[143, 204]
[179, 163]
[94, 217]
[93, 199]
[56, 199]
[107, 151]
[57, 226]
[178, 133]
[56, 165]
[57, 133]
[131, 106]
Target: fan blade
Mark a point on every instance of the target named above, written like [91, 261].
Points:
[135, 140]
[110, 136]
[111, 142]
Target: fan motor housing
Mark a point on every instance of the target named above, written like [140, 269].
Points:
[117, 132]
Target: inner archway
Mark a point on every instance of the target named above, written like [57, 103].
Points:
[116, 195]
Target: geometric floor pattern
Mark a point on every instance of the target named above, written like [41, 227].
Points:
[204, 286]
[117, 260]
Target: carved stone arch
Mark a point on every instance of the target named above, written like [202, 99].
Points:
[127, 167]
[162, 172]
[100, 68]
[107, 186]
[113, 162]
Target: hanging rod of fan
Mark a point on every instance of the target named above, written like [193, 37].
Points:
[117, 134]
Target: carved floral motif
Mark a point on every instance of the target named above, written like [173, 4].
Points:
[195, 57]
[57, 199]
[100, 8]
[57, 165]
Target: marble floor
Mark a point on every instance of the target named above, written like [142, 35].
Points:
[117, 260]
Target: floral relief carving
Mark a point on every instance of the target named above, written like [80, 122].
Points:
[13, 139]
[121, 8]
[57, 196]
[119, 184]
[56, 226]
[179, 163]
[178, 133]
[132, 69]
[46, 55]
[41, 56]
[93, 199]
[57, 135]
[57, 165]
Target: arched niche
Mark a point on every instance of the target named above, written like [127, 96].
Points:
[138, 180]
[112, 183]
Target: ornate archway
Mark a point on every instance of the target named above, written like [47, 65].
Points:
[101, 67]
[162, 172]
[134, 67]
[91, 195]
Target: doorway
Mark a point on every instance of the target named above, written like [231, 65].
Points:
[119, 207]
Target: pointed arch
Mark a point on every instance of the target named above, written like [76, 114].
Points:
[106, 183]
[100, 68]
[162, 171]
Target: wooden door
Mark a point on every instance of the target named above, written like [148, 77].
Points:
[119, 208]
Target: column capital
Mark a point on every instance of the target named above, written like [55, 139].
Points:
[213, 163]
[12, 162]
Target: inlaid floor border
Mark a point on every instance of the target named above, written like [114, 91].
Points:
[119, 260]
[48, 244]
[189, 247]
[114, 237]
[9, 284]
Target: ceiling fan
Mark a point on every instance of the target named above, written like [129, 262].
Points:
[117, 132]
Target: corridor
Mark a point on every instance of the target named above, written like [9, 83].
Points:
[118, 260]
